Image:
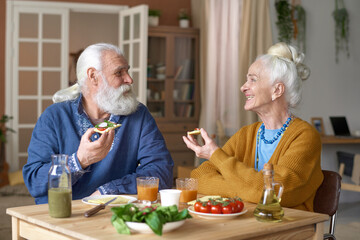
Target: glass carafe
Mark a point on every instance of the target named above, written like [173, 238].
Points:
[269, 208]
[59, 187]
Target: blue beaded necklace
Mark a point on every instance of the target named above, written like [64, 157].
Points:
[278, 134]
[261, 135]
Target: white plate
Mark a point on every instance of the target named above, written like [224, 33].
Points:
[216, 216]
[86, 199]
[144, 228]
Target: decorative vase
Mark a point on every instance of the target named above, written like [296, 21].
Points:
[153, 21]
[184, 23]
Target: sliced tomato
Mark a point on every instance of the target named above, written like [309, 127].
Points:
[101, 129]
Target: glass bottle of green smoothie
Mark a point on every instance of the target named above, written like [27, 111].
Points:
[59, 191]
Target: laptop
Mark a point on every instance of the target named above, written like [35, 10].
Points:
[340, 127]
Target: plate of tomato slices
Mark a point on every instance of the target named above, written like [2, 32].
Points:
[216, 216]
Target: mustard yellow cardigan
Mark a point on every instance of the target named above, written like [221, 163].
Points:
[230, 170]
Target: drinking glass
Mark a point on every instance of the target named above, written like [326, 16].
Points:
[147, 188]
[188, 187]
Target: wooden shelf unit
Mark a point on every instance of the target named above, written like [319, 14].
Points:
[173, 86]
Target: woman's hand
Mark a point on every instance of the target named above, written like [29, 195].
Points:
[204, 151]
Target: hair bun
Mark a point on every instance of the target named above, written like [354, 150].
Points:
[281, 50]
[67, 94]
[290, 53]
[303, 71]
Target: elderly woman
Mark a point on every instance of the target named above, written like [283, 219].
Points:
[272, 90]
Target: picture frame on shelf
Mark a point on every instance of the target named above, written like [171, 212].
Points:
[318, 124]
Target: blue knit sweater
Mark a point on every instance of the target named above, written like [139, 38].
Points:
[138, 150]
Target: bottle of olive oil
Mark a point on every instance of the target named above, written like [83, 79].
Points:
[269, 208]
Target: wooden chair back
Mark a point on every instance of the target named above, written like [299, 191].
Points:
[327, 199]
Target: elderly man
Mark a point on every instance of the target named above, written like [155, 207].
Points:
[105, 163]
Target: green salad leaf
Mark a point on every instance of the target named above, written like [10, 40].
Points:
[155, 217]
[109, 124]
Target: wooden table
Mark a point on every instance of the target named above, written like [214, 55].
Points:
[34, 222]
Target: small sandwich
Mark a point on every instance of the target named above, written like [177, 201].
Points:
[106, 126]
[195, 132]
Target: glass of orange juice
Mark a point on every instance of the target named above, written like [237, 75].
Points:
[147, 188]
[188, 187]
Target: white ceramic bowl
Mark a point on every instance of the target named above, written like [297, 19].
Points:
[144, 228]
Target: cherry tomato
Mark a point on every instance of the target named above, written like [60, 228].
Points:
[216, 208]
[197, 206]
[239, 205]
[227, 208]
[205, 208]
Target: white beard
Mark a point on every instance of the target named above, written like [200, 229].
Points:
[114, 101]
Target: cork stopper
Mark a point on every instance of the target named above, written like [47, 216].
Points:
[268, 168]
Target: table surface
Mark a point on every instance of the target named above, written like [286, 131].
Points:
[327, 139]
[37, 221]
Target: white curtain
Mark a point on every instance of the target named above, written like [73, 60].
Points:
[220, 81]
[232, 34]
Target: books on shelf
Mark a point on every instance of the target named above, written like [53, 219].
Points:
[186, 92]
[185, 71]
[178, 71]
[184, 110]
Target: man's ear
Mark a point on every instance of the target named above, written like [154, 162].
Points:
[279, 90]
[91, 74]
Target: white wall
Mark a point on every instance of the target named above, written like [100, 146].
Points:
[332, 89]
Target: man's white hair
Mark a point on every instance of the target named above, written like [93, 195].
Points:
[91, 57]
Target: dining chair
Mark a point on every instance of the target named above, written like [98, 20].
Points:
[346, 167]
[327, 199]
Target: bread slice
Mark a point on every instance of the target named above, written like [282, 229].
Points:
[196, 131]
[106, 126]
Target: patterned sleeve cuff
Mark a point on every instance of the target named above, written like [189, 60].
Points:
[74, 164]
[108, 189]
[75, 168]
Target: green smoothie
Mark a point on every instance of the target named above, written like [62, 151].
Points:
[60, 202]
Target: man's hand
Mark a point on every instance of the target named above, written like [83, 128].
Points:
[96, 193]
[92, 152]
[204, 151]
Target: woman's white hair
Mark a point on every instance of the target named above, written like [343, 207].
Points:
[285, 64]
[91, 57]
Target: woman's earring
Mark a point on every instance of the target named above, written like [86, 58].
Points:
[272, 98]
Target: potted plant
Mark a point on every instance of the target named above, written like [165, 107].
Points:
[341, 18]
[284, 23]
[299, 19]
[3, 165]
[184, 18]
[154, 15]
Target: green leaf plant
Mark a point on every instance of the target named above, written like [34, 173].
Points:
[3, 129]
[299, 20]
[341, 17]
[284, 22]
